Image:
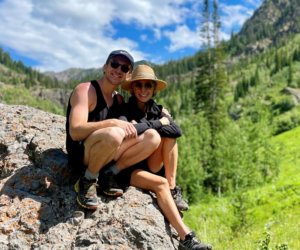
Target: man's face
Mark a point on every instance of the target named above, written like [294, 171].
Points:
[117, 70]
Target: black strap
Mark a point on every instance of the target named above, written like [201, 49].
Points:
[101, 104]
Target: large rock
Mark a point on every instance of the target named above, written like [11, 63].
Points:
[37, 201]
[295, 93]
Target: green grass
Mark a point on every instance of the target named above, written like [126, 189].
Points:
[240, 221]
[23, 96]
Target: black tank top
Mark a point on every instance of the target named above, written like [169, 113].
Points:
[101, 112]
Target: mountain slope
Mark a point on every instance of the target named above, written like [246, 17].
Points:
[75, 74]
[274, 20]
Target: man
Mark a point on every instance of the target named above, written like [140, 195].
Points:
[98, 141]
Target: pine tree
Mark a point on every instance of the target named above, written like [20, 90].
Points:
[210, 88]
[290, 73]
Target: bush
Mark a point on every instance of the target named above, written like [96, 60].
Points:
[282, 125]
[284, 105]
[287, 122]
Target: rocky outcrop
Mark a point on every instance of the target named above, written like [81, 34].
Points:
[37, 201]
[295, 93]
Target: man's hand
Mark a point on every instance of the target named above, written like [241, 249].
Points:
[129, 129]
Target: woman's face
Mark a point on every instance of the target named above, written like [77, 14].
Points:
[143, 90]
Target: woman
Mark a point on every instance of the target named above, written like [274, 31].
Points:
[141, 109]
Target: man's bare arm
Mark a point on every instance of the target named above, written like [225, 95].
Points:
[83, 100]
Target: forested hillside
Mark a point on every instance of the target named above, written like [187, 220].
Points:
[261, 218]
[272, 23]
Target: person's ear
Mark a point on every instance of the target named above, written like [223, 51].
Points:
[128, 76]
[104, 68]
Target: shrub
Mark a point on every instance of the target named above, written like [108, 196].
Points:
[284, 105]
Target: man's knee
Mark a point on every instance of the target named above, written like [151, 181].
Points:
[112, 137]
[115, 136]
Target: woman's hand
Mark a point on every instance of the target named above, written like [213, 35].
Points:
[166, 112]
[164, 121]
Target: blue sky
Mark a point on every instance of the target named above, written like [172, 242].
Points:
[54, 35]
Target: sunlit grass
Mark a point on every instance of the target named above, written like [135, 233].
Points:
[240, 221]
[23, 96]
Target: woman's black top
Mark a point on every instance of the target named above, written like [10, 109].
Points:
[149, 119]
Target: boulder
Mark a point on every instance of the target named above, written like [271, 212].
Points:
[295, 93]
[38, 208]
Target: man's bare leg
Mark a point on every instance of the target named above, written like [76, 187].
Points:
[101, 147]
[132, 152]
[106, 145]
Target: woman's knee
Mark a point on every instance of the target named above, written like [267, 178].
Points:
[152, 137]
[162, 185]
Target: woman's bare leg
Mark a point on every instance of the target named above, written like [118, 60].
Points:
[159, 185]
[170, 157]
[166, 155]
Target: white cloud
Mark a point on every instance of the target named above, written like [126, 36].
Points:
[154, 13]
[233, 16]
[77, 33]
[183, 37]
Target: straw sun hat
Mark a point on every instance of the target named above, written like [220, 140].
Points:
[144, 72]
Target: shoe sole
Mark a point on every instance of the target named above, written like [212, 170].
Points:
[76, 188]
[84, 206]
[113, 194]
[182, 209]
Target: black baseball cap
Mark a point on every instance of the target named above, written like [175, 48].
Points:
[121, 52]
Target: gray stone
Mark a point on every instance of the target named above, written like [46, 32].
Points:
[38, 209]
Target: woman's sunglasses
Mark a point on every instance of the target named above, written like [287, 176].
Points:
[124, 67]
[147, 85]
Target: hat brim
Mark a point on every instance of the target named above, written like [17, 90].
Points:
[160, 84]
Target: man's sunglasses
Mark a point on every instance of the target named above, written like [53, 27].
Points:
[147, 85]
[124, 67]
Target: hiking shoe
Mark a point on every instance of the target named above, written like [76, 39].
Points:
[87, 193]
[108, 183]
[191, 242]
[179, 201]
